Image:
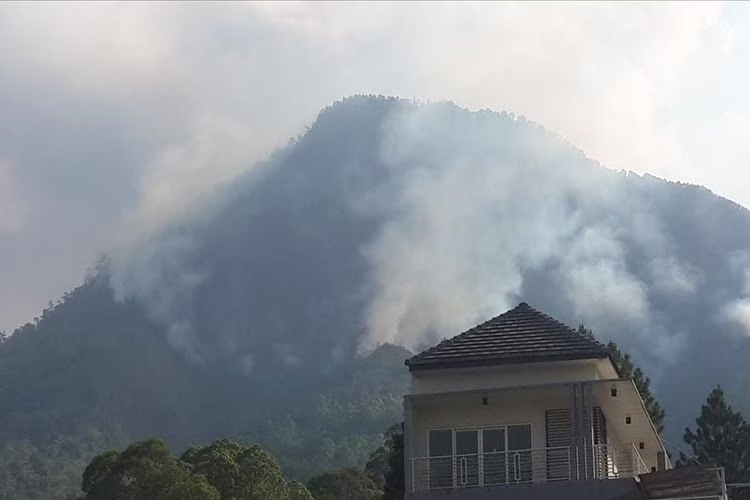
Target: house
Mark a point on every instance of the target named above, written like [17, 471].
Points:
[525, 407]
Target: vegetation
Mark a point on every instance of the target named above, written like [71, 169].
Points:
[386, 464]
[345, 484]
[335, 428]
[381, 479]
[222, 471]
[238, 472]
[145, 470]
[721, 438]
[247, 324]
[102, 375]
[46, 472]
[226, 470]
[298, 491]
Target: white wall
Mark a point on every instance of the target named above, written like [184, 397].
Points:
[467, 411]
[505, 407]
[496, 377]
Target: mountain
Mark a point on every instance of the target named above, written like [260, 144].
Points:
[273, 312]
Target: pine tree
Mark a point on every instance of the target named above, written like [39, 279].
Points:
[721, 438]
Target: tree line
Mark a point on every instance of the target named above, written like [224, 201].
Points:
[226, 470]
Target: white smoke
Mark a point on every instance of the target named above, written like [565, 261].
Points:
[737, 311]
[157, 275]
[184, 185]
[473, 207]
[148, 79]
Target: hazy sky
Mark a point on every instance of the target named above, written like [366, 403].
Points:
[116, 117]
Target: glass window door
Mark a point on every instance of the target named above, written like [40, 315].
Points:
[470, 457]
[467, 458]
[519, 447]
[495, 459]
[441, 459]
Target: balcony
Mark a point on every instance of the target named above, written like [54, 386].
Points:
[525, 467]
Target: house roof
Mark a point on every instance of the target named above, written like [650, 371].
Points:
[521, 335]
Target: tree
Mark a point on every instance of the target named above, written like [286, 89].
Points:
[627, 369]
[225, 470]
[145, 470]
[394, 478]
[721, 438]
[386, 464]
[298, 491]
[344, 484]
[237, 471]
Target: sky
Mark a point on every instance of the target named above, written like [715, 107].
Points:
[116, 118]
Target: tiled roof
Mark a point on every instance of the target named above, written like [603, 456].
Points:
[696, 481]
[521, 335]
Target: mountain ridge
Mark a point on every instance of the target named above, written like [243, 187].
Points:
[387, 222]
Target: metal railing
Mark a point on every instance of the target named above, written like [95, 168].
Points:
[525, 466]
[490, 469]
[615, 462]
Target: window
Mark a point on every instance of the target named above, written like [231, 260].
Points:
[441, 459]
[472, 457]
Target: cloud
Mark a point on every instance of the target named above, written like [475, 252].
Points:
[95, 47]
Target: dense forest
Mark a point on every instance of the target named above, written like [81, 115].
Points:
[127, 383]
[274, 313]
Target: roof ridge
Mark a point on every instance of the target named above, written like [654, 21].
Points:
[447, 342]
[572, 330]
[501, 334]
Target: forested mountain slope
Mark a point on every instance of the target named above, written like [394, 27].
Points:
[387, 222]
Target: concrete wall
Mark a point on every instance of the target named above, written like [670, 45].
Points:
[467, 411]
[607, 489]
[504, 407]
[497, 377]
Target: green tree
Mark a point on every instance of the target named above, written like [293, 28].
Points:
[386, 464]
[238, 472]
[298, 491]
[721, 438]
[98, 472]
[144, 471]
[627, 369]
[394, 478]
[344, 484]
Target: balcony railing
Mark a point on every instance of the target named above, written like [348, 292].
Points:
[614, 462]
[525, 466]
